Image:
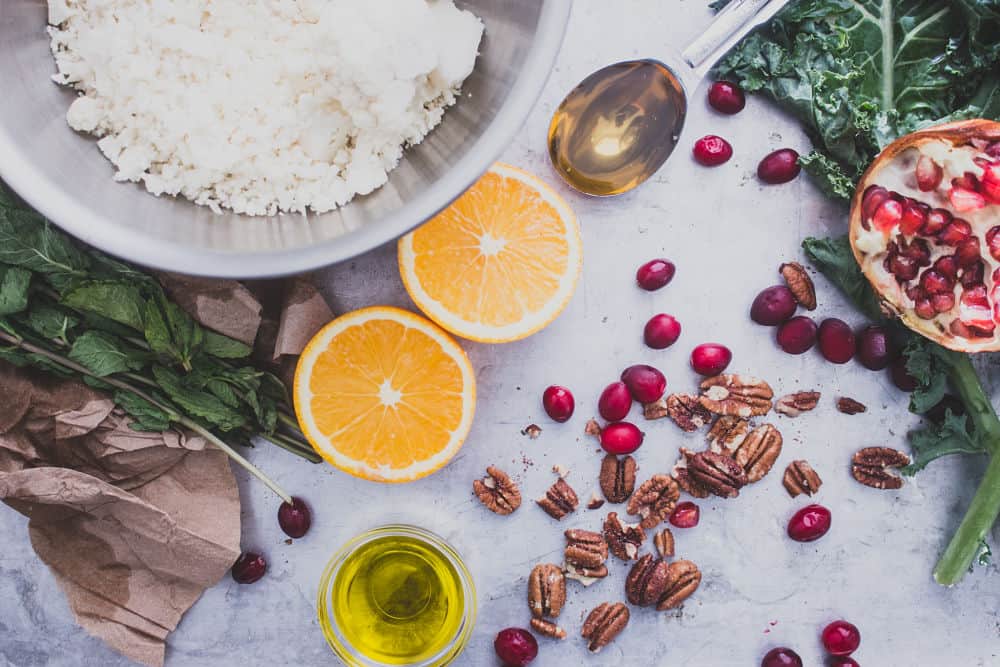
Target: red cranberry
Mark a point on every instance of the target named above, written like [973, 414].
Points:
[809, 523]
[558, 403]
[843, 661]
[710, 359]
[615, 402]
[712, 150]
[685, 515]
[901, 375]
[295, 519]
[645, 383]
[781, 657]
[515, 646]
[797, 335]
[874, 348]
[621, 438]
[654, 274]
[836, 340]
[726, 97]
[841, 638]
[780, 166]
[773, 306]
[661, 331]
[249, 568]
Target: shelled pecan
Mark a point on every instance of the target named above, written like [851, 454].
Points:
[497, 491]
[623, 538]
[800, 283]
[871, 466]
[617, 478]
[532, 431]
[727, 433]
[739, 395]
[546, 590]
[793, 405]
[683, 579]
[656, 409]
[849, 406]
[654, 500]
[664, 543]
[646, 581]
[547, 628]
[687, 412]
[758, 452]
[595, 502]
[717, 473]
[801, 478]
[559, 500]
[603, 624]
[682, 475]
[585, 554]
[592, 428]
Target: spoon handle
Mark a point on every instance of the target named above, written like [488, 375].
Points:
[731, 24]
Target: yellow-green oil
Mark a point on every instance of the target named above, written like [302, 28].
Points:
[398, 600]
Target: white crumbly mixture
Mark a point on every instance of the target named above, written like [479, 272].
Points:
[260, 106]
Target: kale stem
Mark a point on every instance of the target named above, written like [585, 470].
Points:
[977, 404]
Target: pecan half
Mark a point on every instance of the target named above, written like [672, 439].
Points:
[799, 282]
[646, 581]
[758, 452]
[559, 500]
[532, 431]
[683, 579]
[592, 428]
[547, 628]
[586, 551]
[683, 477]
[546, 590]
[603, 624]
[497, 491]
[664, 543]
[727, 433]
[717, 473]
[654, 501]
[617, 478]
[623, 538]
[795, 404]
[871, 465]
[656, 409]
[739, 395]
[849, 406]
[801, 478]
[687, 412]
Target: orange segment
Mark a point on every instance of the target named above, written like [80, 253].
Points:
[500, 263]
[384, 394]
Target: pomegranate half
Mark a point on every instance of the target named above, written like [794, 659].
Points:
[925, 229]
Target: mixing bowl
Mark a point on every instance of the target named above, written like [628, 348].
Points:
[65, 176]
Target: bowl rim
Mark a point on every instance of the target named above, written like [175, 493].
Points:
[135, 246]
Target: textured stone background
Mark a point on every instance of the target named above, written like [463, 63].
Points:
[728, 235]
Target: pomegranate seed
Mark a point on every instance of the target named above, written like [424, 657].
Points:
[654, 274]
[947, 266]
[773, 306]
[933, 282]
[993, 242]
[726, 97]
[781, 657]
[710, 359]
[967, 252]
[712, 150]
[836, 340]
[943, 302]
[967, 181]
[914, 217]
[779, 166]
[797, 335]
[903, 267]
[249, 568]
[929, 173]
[615, 402]
[901, 375]
[874, 348]
[963, 200]
[621, 438]
[295, 519]
[972, 275]
[888, 215]
[916, 249]
[661, 331]
[841, 638]
[993, 150]
[937, 220]
[685, 515]
[990, 186]
[871, 200]
[924, 309]
[558, 403]
[809, 523]
[843, 661]
[515, 646]
[956, 232]
[645, 383]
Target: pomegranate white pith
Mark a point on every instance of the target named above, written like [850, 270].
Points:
[925, 228]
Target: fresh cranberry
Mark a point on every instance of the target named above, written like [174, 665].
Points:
[809, 523]
[778, 167]
[843, 661]
[661, 331]
[712, 150]
[685, 515]
[515, 646]
[645, 383]
[710, 359]
[797, 335]
[726, 97]
[773, 306]
[781, 657]
[249, 568]
[901, 375]
[875, 350]
[841, 638]
[654, 274]
[615, 402]
[295, 519]
[836, 340]
[621, 438]
[558, 403]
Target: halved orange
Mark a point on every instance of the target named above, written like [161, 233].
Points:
[500, 263]
[384, 394]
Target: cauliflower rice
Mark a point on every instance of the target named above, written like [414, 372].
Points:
[260, 106]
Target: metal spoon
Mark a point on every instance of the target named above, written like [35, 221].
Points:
[621, 123]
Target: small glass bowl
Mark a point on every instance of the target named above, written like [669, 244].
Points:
[327, 620]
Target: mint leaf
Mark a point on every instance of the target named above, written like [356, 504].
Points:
[196, 402]
[116, 301]
[145, 416]
[14, 284]
[51, 323]
[172, 332]
[103, 354]
[224, 347]
[951, 436]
